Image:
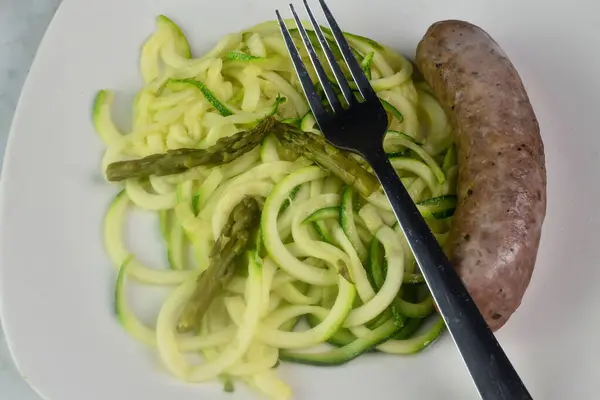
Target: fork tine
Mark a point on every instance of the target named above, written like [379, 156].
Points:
[331, 96]
[359, 77]
[307, 86]
[335, 68]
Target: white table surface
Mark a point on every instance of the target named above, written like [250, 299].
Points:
[22, 25]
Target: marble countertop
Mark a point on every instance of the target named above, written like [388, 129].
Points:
[22, 26]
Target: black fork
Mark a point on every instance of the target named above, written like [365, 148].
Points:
[359, 126]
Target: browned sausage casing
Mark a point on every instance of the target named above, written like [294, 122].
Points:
[496, 230]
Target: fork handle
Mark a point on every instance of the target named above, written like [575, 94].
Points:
[490, 368]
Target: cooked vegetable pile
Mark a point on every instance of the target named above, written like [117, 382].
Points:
[276, 241]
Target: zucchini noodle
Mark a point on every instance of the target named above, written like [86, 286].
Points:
[326, 255]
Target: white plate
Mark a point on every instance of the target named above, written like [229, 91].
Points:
[57, 281]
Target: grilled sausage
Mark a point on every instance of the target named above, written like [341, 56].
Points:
[494, 239]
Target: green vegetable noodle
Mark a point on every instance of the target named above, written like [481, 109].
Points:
[264, 223]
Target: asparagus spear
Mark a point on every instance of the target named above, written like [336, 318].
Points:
[318, 150]
[311, 146]
[180, 160]
[225, 256]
